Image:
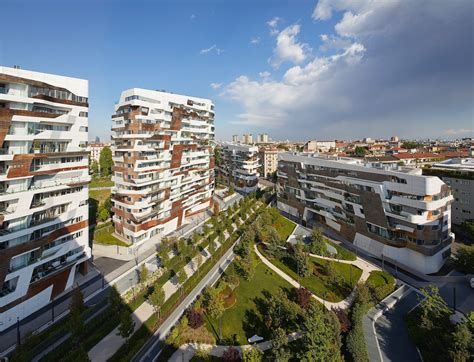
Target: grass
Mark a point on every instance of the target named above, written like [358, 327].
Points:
[101, 182]
[245, 318]
[283, 226]
[342, 253]
[104, 236]
[99, 195]
[318, 282]
[379, 278]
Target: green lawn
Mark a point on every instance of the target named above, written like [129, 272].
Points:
[283, 226]
[99, 195]
[104, 236]
[319, 282]
[342, 253]
[379, 278]
[101, 182]
[244, 319]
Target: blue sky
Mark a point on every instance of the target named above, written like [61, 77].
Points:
[327, 69]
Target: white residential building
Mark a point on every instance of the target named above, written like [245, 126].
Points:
[247, 139]
[95, 149]
[268, 160]
[319, 146]
[393, 213]
[262, 138]
[44, 234]
[239, 166]
[163, 162]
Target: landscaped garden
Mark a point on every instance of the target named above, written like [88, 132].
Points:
[99, 195]
[101, 182]
[272, 219]
[103, 235]
[329, 280]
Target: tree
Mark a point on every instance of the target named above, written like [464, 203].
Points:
[195, 318]
[281, 311]
[252, 354]
[77, 300]
[302, 262]
[143, 273]
[360, 151]
[103, 214]
[303, 297]
[199, 261]
[279, 351]
[181, 276]
[231, 354]
[76, 325]
[127, 324]
[94, 167]
[461, 344]
[115, 300]
[333, 275]
[216, 208]
[212, 248]
[344, 321]
[273, 237]
[105, 161]
[433, 308]
[246, 267]
[164, 256]
[465, 258]
[157, 299]
[318, 245]
[213, 302]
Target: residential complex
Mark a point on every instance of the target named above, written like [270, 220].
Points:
[95, 149]
[239, 166]
[247, 139]
[163, 162]
[390, 212]
[44, 235]
[458, 173]
[268, 160]
[262, 138]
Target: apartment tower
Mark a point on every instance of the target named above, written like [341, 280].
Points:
[163, 162]
[393, 213]
[44, 239]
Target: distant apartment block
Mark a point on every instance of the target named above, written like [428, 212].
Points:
[239, 166]
[319, 146]
[95, 149]
[262, 138]
[247, 139]
[458, 173]
[268, 160]
[44, 234]
[235, 138]
[163, 162]
[392, 213]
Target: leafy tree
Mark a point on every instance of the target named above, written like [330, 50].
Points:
[246, 267]
[213, 302]
[462, 343]
[360, 151]
[199, 261]
[212, 248]
[281, 311]
[433, 308]
[181, 276]
[76, 325]
[105, 161]
[164, 256]
[77, 300]
[273, 237]
[465, 258]
[115, 300]
[127, 324]
[143, 273]
[410, 145]
[344, 321]
[94, 167]
[231, 354]
[334, 277]
[301, 261]
[195, 318]
[318, 245]
[303, 297]
[157, 298]
[279, 351]
[252, 354]
[103, 213]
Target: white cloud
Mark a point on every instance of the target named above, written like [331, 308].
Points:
[273, 22]
[216, 85]
[378, 77]
[288, 49]
[255, 40]
[212, 48]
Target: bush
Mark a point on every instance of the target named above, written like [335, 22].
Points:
[231, 354]
[465, 259]
[195, 319]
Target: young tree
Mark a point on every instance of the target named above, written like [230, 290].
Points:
[76, 325]
[157, 299]
[199, 261]
[126, 326]
[181, 276]
[195, 318]
[252, 354]
[302, 262]
[213, 302]
[102, 214]
[164, 256]
[216, 208]
[212, 248]
[273, 237]
[231, 354]
[318, 245]
[105, 161]
[77, 300]
[143, 273]
[246, 267]
[303, 297]
[94, 168]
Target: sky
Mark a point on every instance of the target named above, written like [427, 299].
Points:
[296, 69]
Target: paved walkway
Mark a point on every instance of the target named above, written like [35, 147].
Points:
[188, 350]
[112, 342]
[346, 303]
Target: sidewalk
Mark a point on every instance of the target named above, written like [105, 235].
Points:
[346, 303]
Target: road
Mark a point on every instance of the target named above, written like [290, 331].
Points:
[152, 349]
[394, 342]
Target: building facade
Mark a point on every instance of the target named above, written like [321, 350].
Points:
[268, 160]
[163, 162]
[44, 235]
[239, 166]
[319, 146]
[247, 139]
[458, 173]
[95, 149]
[391, 213]
[262, 138]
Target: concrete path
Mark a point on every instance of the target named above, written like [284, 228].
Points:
[346, 303]
[188, 350]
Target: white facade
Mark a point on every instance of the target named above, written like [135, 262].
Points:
[95, 149]
[163, 162]
[319, 146]
[384, 209]
[239, 164]
[44, 239]
[262, 138]
[247, 139]
[268, 161]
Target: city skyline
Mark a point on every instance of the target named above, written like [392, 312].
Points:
[346, 70]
